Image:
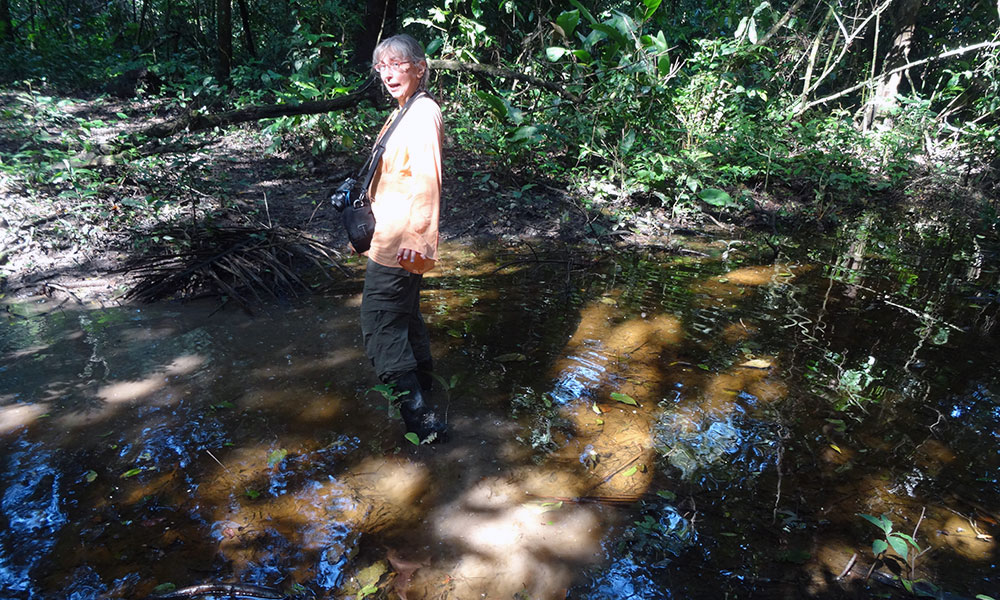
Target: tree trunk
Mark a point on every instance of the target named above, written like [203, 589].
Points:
[6, 24]
[904, 24]
[380, 23]
[247, 31]
[142, 21]
[224, 23]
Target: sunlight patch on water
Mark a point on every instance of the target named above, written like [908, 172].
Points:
[15, 416]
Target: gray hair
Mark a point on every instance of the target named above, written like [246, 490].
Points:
[404, 47]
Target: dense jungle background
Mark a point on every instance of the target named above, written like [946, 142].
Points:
[717, 314]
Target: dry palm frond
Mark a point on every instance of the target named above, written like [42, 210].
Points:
[236, 262]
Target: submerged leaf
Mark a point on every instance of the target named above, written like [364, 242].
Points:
[512, 357]
[276, 456]
[624, 398]
[757, 363]
[631, 471]
[90, 476]
[413, 438]
[131, 473]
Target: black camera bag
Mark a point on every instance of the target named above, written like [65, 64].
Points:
[355, 206]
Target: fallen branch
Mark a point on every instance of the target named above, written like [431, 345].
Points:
[454, 65]
[909, 65]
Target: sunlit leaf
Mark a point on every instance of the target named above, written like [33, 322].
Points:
[663, 65]
[752, 33]
[624, 398]
[879, 546]
[131, 473]
[597, 409]
[599, 421]
[716, 197]
[651, 6]
[757, 363]
[555, 53]
[631, 471]
[882, 522]
[837, 448]
[276, 456]
[898, 544]
[413, 438]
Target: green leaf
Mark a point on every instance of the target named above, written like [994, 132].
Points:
[909, 539]
[882, 522]
[583, 11]
[90, 476]
[252, 494]
[413, 438]
[131, 473]
[898, 544]
[666, 494]
[568, 21]
[984, 597]
[495, 103]
[716, 197]
[631, 471]
[583, 56]
[433, 47]
[555, 53]
[624, 399]
[368, 590]
[163, 588]
[276, 456]
[651, 6]
[512, 357]
[879, 546]
[663, 65]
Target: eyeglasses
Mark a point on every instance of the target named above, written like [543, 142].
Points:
[396, 65]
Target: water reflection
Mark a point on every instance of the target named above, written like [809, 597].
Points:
[651, 426]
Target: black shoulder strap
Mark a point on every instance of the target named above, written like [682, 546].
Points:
[368, 170]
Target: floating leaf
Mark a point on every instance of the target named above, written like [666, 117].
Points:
[630, 472]
[276, 456]
[666, 494]
[163, 588]
[757, 363]
[131, 473]
[252, 494]
[597, 409]
[624, 398]
[599, 421]
[512, 357]
[837, 448]
[413, 438]
[90, 476]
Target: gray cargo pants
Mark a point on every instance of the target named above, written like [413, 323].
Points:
[395, 337]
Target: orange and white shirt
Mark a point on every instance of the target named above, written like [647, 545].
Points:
[406, 188]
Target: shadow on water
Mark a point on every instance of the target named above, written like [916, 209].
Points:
[650, 425]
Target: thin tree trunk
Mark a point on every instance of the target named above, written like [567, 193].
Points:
[248, 40]
[224, 23]
[781, 22]
[904, 21]
[6, 24]
[142, 21]
[379, 23]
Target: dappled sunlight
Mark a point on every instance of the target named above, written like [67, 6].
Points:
[128, 391]
[512, 545]
[15, 416]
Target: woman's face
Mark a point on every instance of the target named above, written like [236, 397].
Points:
[400, 76]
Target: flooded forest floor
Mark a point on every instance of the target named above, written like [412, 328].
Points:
[663, 405]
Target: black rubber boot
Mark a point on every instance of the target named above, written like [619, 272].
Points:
[424, 370]
[419, 418]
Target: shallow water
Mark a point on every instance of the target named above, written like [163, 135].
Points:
[697, 422]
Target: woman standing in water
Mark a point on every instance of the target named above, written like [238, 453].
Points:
[406, 200]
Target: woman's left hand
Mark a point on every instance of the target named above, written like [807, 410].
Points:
[407, 255]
